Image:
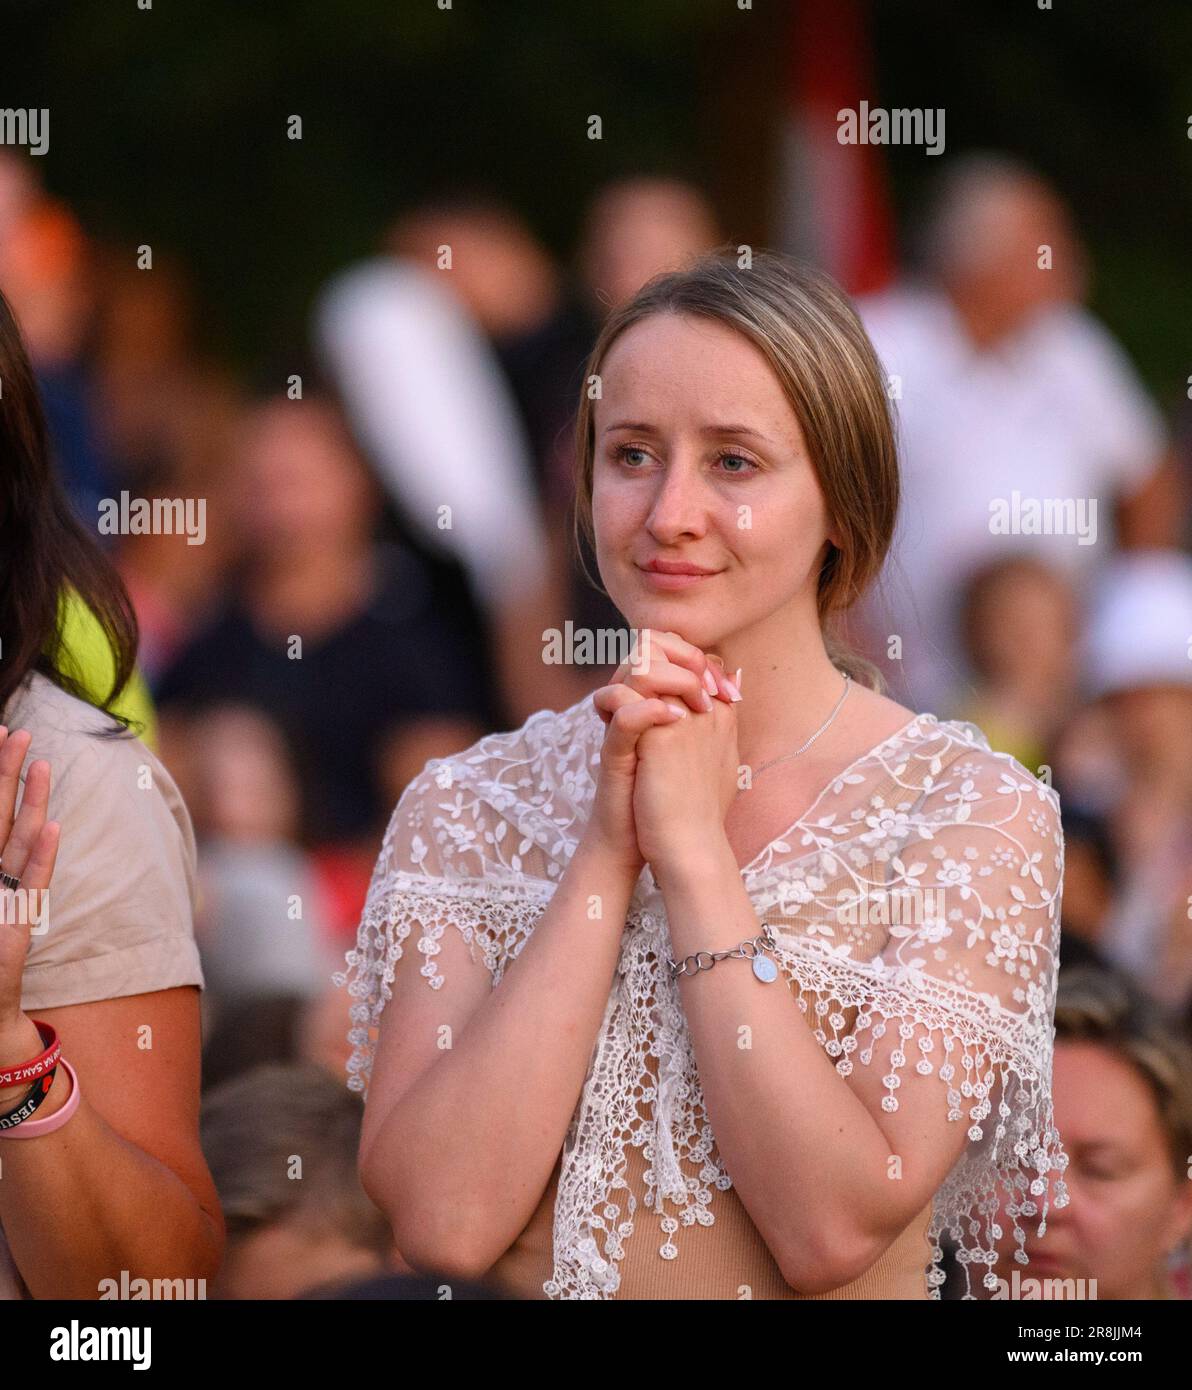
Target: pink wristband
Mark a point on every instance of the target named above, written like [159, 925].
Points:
[31, 1129]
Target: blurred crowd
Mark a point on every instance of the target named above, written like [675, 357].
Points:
[389, 534]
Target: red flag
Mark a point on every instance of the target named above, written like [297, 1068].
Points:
[833, 205]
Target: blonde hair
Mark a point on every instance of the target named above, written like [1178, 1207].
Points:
[809, 332]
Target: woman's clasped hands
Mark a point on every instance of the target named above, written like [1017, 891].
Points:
[669, 762]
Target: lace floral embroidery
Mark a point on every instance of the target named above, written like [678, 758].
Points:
[916, 909]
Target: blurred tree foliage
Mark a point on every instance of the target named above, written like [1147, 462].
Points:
[169, 125]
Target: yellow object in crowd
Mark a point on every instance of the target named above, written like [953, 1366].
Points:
[87, 658]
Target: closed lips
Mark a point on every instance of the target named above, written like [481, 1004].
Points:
[676, 567]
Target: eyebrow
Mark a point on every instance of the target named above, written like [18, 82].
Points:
[644, 428]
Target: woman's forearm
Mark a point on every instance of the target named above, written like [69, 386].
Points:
[781, 1112]
[461, 1161]
[82, 1204]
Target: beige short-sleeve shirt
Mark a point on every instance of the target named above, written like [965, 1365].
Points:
[120, 916]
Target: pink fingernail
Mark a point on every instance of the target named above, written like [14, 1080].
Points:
[733, 693]
[710, 681]
[676, 710]
[737, 681]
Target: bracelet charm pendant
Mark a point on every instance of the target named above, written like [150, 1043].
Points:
[765, 969]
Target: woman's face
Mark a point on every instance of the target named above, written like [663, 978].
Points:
[1127, 1205]
[708, 515]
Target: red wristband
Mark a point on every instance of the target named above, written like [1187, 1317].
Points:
[39, 1066]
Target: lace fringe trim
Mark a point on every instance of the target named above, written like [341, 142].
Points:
[395, 903]
[971, 1043]
[968, 1048]
[989, 1045]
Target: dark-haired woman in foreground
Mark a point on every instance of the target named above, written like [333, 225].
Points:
[112, 1185]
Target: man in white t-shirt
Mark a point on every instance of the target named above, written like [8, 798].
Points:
[1022, 425]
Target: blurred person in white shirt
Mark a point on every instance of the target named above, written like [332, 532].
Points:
[429, 406]
[1017, 411]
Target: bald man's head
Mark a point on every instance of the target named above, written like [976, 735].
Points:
[1000, 238]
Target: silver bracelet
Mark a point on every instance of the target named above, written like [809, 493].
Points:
[763, 967]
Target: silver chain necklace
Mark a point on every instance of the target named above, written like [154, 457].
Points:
[757, 771]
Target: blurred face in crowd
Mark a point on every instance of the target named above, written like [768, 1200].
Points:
[498, 269]
[673, 488]
[1017, 253]
[637, 230]
[303, 486]
[1128, 1207]
[1024, 626]
[248, 791]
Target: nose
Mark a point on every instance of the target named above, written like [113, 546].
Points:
[1062, 1217]
[679, 509]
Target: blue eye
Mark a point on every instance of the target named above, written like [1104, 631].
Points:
[747, 463]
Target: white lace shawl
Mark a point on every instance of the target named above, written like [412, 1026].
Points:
[962, 1001]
